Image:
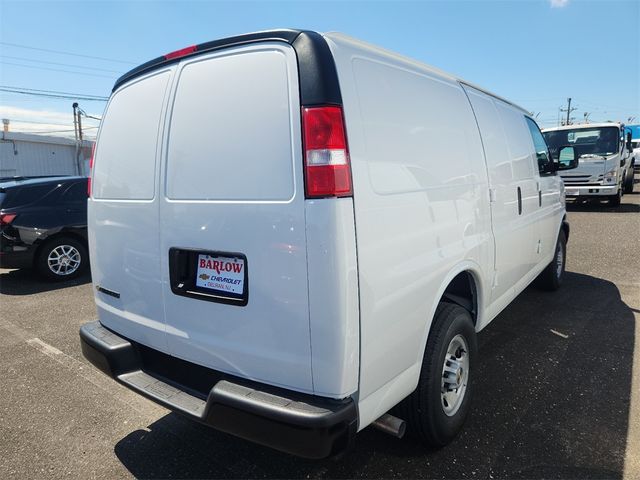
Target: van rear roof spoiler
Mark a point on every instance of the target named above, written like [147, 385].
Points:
[316, 68]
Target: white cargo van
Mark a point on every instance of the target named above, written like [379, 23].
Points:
[606, 160]
[293, 233]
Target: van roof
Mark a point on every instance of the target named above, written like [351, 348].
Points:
[280, 35]
[311, 53]
[583, 125]
[356, 43]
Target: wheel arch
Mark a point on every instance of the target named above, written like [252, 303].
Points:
[463, 285]
[467, 273]
[60, 233]
[463, 291]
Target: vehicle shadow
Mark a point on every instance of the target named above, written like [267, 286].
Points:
[551, 400]
[27, 282]
[595, 206]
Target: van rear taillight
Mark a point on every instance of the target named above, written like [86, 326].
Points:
[93, 154]
[6, 218]
[326, 156]
[181, 53]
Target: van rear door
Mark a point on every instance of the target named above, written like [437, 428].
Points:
[123, 211]
[232, 216]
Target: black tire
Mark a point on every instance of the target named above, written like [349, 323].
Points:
[551, 277]
[424, 409]
[614, 200]
[76, 254]
[628, 184]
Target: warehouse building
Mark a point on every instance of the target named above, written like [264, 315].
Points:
[26, 155]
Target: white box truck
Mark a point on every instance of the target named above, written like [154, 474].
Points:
[293, 233]
[606, 160]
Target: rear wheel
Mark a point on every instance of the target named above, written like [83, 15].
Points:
[436, 410]
[551, 277]
[62, 258]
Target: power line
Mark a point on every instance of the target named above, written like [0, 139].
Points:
[24, 59]
[66, 53]
[57, 70]
[54, 91]
[52, 94]
[35, 122]
[54, 131]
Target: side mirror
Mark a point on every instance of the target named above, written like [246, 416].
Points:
[629, 146]
[567, 158]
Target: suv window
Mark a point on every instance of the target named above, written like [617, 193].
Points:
[76, 192]
[24, 195]
[542, 151]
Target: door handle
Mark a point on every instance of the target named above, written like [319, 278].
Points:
[539, 198]
[519, 201]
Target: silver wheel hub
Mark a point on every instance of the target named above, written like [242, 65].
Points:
[455, 375]
[64, 260]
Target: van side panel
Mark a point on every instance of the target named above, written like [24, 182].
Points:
[123, 212]
[421, 208]
[232, 182]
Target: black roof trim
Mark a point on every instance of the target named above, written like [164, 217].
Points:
[317, 71]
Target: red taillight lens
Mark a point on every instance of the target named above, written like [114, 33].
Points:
[181, 53]
[326, 156]
[93, 154]
[6, 218]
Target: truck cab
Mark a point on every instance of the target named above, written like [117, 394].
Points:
[606, 162]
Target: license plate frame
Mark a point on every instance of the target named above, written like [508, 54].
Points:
[572, 192]
[185, 270]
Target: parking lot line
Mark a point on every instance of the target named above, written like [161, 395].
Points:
[44, 347]
[113, 390]
[90, 374]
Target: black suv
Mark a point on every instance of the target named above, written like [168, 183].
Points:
[43, 225]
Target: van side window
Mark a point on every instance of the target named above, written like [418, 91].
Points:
[542, 151]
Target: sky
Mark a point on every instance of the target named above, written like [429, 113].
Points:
[536, 53]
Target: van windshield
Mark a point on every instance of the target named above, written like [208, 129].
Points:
[585, 141]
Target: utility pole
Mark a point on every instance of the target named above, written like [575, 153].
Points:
[77, 128]
[568, 110]
[75, 131]
[75, 121]
[79, 142]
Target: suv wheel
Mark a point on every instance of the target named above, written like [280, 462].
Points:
[436, 410]
[62, 258]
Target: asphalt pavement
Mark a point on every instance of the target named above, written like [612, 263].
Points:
[557, 388]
